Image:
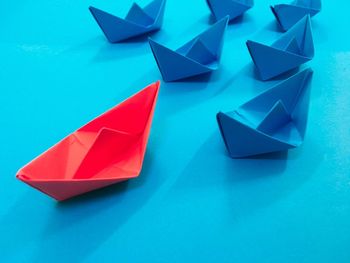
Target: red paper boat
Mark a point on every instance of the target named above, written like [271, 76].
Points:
[107, 150]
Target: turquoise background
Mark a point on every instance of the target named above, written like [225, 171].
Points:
[191, 203]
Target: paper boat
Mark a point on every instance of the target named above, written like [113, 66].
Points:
[232, 8]
[107, 150]
[287, 15]
[273, 121]
[138, 21]
[198, 56]
[294, 48]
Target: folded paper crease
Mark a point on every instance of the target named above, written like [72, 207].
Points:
[291, 50]
[200, 55]
[273, 121]
[138, 21]
[107, 150]
[287, 15]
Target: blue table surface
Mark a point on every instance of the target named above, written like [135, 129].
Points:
[191, 203]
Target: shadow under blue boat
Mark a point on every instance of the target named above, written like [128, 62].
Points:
[246, 185]
[126, 49]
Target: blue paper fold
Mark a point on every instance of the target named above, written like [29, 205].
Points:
[138, 21]
[198, 56]
[294, 48]
[232, 8]
[287, 15]
[273, 121]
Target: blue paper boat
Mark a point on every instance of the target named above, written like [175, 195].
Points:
[198, 56]
[138, 21]
[271, 122]
[232, 8]
[294, 48]
[287, 15]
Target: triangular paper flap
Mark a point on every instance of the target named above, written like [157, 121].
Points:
[293, 47]
[109, 148]
[184, 49]
[302, 32]
[243, 141]
[85, 153]
[274, 119]
[130, 116]
[232, 8]
[288, 15]
[62, 190]
[311, 4]
[279, 20]
[174, 66]
[200, 53]
[297, 32]
[155, 8]
[271, 62]
[138, 16]
[285, 133]
[213, 37]
[308, 45]
[115, 28]
[301, 109]
[288, 91]
[51, 164]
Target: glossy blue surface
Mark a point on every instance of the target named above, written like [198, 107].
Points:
[192, 203]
